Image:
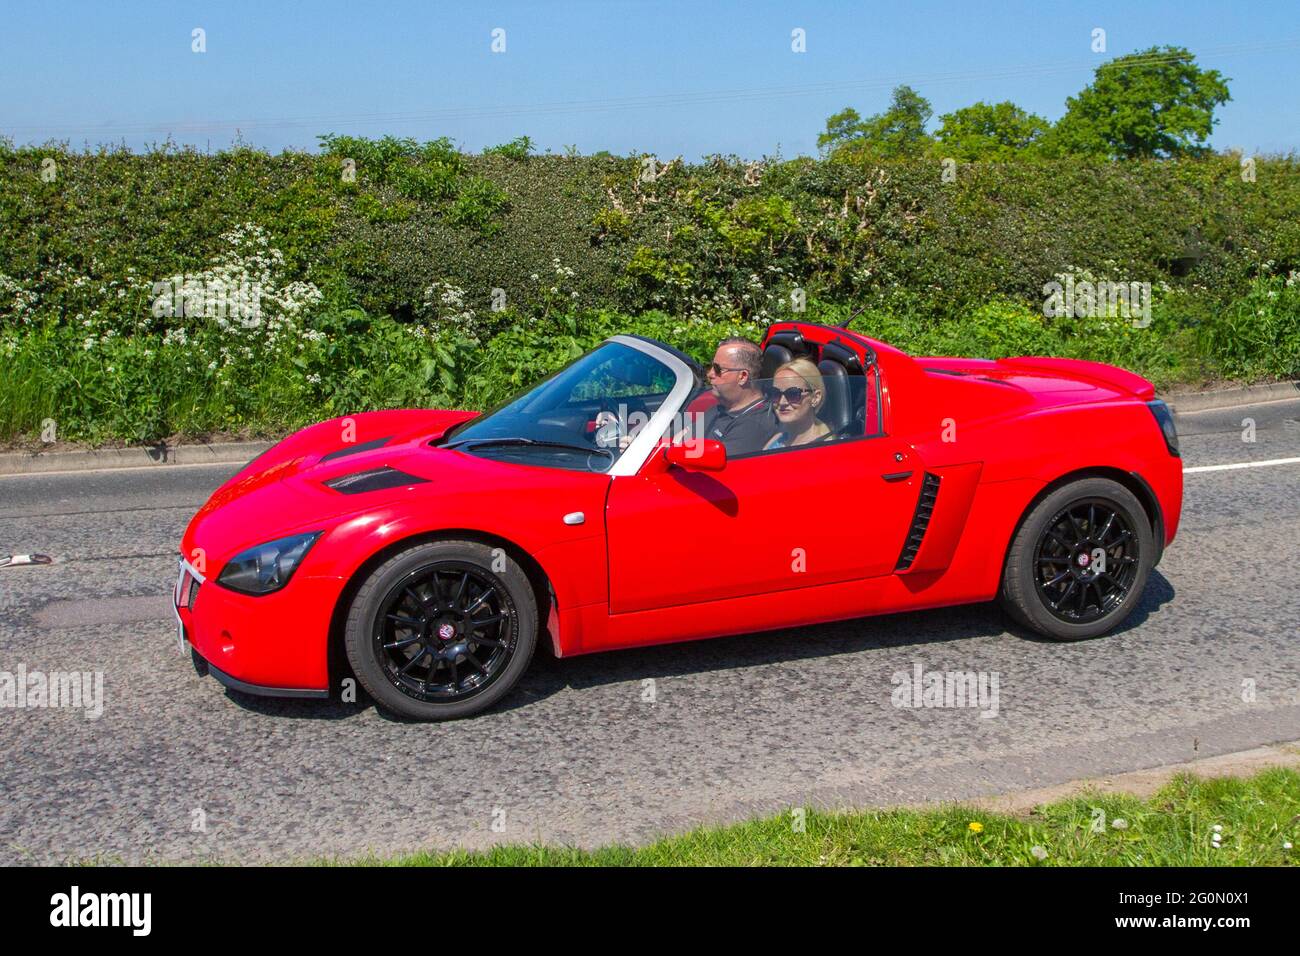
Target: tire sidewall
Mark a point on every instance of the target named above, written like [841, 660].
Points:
[1030, 608]
[369, 599]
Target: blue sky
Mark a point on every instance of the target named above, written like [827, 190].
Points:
[665, 77]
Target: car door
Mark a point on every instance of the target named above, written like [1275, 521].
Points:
[773, 521]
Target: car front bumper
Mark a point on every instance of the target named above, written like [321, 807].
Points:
[206, 668]
[274, 645]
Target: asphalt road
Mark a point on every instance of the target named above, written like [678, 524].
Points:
[177, 769]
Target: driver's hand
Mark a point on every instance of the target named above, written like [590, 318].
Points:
[609, 418]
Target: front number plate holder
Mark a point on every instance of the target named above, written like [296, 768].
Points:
[176, 607]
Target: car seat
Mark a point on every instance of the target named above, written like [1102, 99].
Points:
[845, 407]
[783, 347]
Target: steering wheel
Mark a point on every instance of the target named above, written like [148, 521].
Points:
[609, 426]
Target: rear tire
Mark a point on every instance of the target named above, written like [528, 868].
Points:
[442, 630]
[1079, 562]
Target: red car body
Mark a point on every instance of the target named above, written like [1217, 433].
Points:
[643, 568]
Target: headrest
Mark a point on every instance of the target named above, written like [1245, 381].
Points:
[837, 408]
[783, 347]
[843, 355]
[774, 356]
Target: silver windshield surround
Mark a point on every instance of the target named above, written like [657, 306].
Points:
[630, 462]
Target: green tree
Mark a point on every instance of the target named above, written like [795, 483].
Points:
[990, 131]
[898, 131]
[1157, 102]
[841, 128]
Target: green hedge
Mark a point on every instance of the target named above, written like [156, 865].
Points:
[691, 241]
[432, 276]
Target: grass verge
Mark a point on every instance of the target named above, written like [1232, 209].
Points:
[1256, 817]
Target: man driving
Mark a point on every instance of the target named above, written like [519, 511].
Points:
[741, 419]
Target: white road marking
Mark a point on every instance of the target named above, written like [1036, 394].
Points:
[158, 466]
[1243, 464]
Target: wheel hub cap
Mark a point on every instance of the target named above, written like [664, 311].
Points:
[445, 631]
[1086, 561]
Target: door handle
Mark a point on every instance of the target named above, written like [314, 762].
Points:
[897, 476]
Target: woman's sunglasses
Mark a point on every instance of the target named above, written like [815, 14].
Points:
[792, 395]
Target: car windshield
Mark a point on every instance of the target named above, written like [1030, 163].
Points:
[580, 418]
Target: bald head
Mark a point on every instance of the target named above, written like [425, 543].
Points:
[734, 373]
[742, 353]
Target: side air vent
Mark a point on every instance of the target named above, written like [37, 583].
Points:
[920, 521]
[376, 479]
[356, 449]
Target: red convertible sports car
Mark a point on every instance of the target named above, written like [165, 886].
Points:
[427, 552]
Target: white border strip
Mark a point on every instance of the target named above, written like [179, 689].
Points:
[1242, 464]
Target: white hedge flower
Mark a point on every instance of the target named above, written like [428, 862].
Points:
[242, 291]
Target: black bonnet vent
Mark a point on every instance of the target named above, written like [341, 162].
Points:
[356, 449]
[376, 479]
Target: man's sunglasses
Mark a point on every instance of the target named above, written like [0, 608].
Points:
[792, 395]
[720, 369]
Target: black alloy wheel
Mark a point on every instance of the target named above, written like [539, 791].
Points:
[1078, 562]
[443, 629]
[1087, 559]
[445, 632]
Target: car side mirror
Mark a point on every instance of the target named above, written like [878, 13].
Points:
[697, 455]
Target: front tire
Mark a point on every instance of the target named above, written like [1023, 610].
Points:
[1079, 562]
[442, 630]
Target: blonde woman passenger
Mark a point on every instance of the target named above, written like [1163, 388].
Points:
[797, 394]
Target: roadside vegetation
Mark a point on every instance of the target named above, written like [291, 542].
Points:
[179, 294]
[1190, 822]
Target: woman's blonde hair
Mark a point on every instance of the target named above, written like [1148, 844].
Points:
[807, 371]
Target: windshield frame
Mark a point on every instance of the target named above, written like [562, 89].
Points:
[634, 458]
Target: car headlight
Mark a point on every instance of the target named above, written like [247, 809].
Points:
[266, 567]
[1165, 419]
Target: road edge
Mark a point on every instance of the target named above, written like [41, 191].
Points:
[1183, 402]
[1140, 783]
[36, 463]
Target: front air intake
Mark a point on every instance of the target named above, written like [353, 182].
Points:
[920, 521]
[376, 479]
